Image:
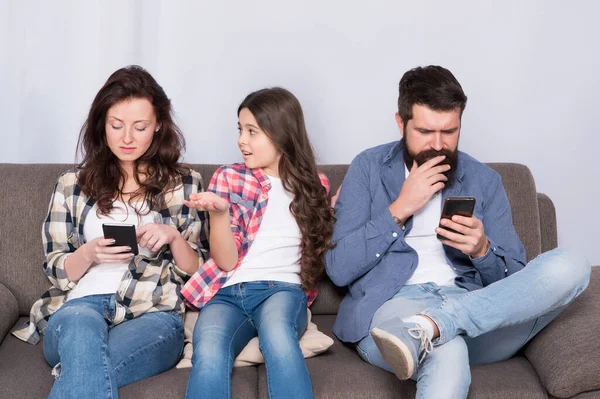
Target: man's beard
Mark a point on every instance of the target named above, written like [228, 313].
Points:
[424, 156]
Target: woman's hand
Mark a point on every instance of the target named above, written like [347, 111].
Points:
[208, 201]
[99, 251]
[154, 235]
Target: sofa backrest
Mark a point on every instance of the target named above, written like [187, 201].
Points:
[26, 191]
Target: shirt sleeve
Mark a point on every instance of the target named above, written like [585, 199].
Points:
[58, 238]
[360, 238]
[220, 184]
[193, 225]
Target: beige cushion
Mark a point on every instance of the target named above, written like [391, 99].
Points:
[312, 343]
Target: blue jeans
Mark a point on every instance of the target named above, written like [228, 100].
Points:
[276, 312]
[92, 358]
[483, 326]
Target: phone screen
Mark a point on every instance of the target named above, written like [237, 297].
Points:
[463, 206]
[123, 234]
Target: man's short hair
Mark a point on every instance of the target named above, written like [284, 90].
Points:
[432, 86]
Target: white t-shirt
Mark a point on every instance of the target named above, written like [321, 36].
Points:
[432, 264]
[105, 278]
[275, 251]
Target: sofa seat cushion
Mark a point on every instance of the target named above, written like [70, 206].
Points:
[340, 373]
[24, 373]
[565, 353]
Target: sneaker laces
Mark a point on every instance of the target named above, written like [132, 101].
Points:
[426, 345]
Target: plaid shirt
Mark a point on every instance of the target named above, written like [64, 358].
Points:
[247, 190]
[151, 285]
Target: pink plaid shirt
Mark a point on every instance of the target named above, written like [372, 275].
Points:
[247, 190]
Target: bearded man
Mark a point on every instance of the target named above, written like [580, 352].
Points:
[425, 306]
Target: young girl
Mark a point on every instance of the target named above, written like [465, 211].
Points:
[111, 318]
[270, 225]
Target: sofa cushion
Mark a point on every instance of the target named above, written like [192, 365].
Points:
[312, 343]
[586, 395]
[21, 234]
[24, 373]
[565, 353]
[172, 384]
[547, 222]
[9, 311]
[520, 189]
[340, 373]
[329, 298]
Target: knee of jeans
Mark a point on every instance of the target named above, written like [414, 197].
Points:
[76, 321]
[210, 349]
[280, 342]
[567, 269]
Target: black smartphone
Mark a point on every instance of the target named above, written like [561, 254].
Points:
[462, 206]
[123, 234]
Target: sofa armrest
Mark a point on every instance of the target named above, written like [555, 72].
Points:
[9, 311]
[547, 222]
[565, 353]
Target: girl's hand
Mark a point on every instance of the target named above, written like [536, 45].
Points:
[154, 235]
[209, 202]
[335, 197]
[99, 251]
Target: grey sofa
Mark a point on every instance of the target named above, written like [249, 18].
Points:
[562, 361]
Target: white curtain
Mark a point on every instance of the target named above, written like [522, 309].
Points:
[530, 70]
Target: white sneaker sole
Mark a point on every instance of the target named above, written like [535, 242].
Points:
[395, 352]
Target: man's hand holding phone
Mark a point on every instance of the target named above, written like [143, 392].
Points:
[469, 238]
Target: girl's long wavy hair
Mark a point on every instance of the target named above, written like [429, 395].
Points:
[101, 176]
[279, 114]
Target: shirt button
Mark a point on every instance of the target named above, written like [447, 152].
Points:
[403, 228]
[454, 268]
[494, 249]
[394, 234]
[377, 255]
[505, 270]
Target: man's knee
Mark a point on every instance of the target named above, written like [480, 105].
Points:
[566, 269]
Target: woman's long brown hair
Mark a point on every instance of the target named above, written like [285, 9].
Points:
[101, 176]
[279, 114]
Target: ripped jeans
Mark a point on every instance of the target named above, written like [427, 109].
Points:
[92, 358]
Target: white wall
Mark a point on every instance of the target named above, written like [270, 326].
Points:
[530, 70]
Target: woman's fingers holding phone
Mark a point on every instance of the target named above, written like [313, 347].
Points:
[99, 250]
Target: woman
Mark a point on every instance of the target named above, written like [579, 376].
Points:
[112, 318]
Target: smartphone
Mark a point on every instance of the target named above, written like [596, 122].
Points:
[462, 206]
[123, 234]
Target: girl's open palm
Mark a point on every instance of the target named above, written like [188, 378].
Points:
[208, 201]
